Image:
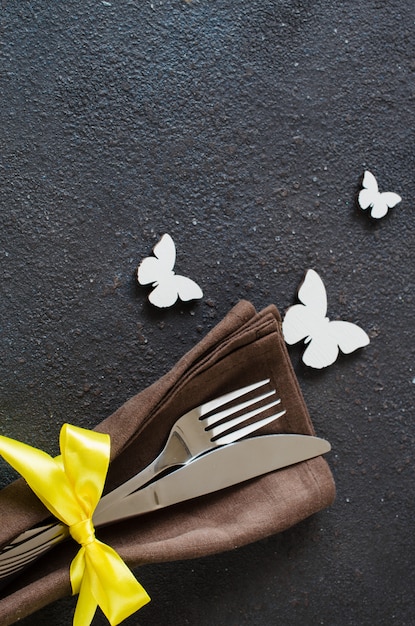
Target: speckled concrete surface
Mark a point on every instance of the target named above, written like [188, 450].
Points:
[242, 129]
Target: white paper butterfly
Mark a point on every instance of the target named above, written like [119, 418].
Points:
[371, 198]
[158, 271]
[308, 322]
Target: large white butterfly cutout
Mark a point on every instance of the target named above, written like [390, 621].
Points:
[308, 321]
[158, 271]
[371, 198]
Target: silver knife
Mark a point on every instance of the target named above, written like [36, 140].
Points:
[216, 470]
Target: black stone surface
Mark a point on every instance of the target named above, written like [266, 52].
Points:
[242, 128]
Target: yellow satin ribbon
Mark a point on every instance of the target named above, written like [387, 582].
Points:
[70, 486]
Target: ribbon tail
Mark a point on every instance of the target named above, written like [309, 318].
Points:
[86, 605]
[112, 584]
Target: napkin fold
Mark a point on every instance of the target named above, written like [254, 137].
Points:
[244, 347]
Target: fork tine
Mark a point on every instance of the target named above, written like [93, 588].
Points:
[221, 428]
[211, 405]
[211, 420]
[247, 430]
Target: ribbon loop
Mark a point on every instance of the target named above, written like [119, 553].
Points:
[70, 486]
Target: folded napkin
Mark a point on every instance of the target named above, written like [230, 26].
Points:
[243, 348]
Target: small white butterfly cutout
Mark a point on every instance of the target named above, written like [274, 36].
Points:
[158, 271]
[371, 198]
[308, 322]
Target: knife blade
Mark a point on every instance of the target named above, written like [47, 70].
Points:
[216, 470]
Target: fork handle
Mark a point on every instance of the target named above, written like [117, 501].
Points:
[174, 453]
[30, 545]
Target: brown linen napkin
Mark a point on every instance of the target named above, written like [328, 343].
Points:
[243, 348]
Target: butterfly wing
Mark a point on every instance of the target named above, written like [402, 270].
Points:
[168, 291]
[187, 289]
[324, 347]
[165, 251]
[349, 337]
[312, 294]
[298, 324]
[370, 182]
[148, 271]
[304, 320]
[370, 192]
[385, 201]
[322, 350]
[164, 294]
[159, 268]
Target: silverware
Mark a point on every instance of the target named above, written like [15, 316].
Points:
[220, 468]
[216, 470]
[195, 433]
[202, 429]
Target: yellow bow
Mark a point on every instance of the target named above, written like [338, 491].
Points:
[70, 486]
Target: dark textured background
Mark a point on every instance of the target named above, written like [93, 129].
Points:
[242, 128]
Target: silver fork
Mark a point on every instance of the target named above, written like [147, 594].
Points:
[193, 434]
